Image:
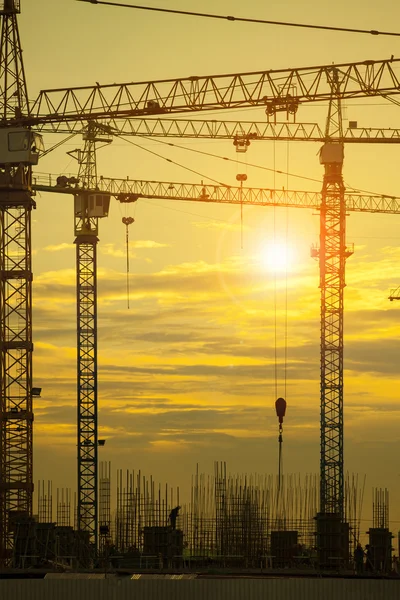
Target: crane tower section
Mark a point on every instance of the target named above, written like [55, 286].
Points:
[89, 207]
[333, 254]
[19, 150]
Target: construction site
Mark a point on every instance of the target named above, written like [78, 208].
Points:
[233, 523]
[121, 522]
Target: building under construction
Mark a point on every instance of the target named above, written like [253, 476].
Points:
[231, 522]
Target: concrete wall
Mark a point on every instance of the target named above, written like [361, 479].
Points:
[201, 589]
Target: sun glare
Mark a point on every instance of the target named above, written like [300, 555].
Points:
[276, 256]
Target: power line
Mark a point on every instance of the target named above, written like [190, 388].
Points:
[242, 19]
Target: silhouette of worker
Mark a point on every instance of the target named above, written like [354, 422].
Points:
[173, 515]
[359, 559]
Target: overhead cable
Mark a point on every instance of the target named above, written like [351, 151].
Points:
[243, 19]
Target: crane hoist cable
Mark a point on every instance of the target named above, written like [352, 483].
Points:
[241, 177]
[127, 221]
[173, 162]
[286, 270]
[247, 164]
[280, 407]
[280, 403]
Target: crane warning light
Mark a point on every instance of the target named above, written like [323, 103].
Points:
[280, 407]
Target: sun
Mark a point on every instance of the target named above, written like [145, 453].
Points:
[276, 256]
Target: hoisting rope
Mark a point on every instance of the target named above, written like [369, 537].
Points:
[286, 270]
[275, 288]
[241, 177]
[280, 469]
[280, 404]
[241, 146]
[280, 407]
[127, 221]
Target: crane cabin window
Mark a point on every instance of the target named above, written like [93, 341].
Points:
[18, 140]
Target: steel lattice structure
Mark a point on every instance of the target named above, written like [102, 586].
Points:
[86, 230]
[16, 204]
[131, 190]
[332, 256]
[235, 130]
[274, 90]
[86, 281]
[333, 253]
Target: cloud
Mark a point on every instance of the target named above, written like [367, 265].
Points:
[219, 225]
[148, 244]
[58, 247]
[191, 366]
[118, 251]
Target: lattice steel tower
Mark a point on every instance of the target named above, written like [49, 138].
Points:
[333, 253]
[88, 208]
[18, 152]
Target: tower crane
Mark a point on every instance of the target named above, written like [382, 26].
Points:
[19, 151]
[87, 210]
[332, 536]
[68, 108]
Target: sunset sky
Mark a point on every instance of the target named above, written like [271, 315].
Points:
[186, 375]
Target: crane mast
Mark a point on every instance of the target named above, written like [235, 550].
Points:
[17, 154]
[332, 253]
[86, 230]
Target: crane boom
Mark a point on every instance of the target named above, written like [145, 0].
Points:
[130, 190]
[232, 130]
[250, 131]
[274, 90]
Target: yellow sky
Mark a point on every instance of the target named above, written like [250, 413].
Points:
[187, 374]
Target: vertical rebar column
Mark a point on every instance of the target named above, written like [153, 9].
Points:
[104, 505]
